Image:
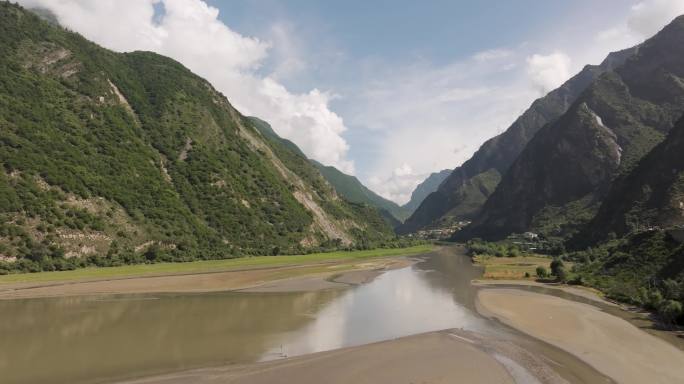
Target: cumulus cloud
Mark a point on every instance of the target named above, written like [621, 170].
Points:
[399, 186]
[190, 32]
[644, 20]
[424, 117]
[648, 17]
[547, 72]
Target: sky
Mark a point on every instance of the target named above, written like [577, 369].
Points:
[388, 91]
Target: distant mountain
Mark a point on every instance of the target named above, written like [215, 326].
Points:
[125, 157]
[349, 187]
[462, 195]
[353, 190]
[267, 131]
[565, 171]
[649, 196]
[425, 188]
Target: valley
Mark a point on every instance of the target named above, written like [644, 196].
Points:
[198, 191]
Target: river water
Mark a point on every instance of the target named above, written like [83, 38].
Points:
[105, 338]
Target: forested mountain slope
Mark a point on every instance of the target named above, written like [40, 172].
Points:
[123, 156]
[349, 187]
[650, 196]
[353, 190]
[562, 175]
[462, 195]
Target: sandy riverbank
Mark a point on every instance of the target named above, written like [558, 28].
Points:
[611, 345]
[437, 357]
[307, 277]
[580, 291]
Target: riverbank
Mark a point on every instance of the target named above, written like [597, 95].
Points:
[272, 273]
[434, 357]
[608, 343]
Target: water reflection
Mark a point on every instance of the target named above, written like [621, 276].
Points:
[398, 303]
[89, 339]
[81, 339]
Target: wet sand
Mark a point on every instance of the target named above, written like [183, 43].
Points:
[437, 357]
[584, 292]
[608, 343]
[302, 278]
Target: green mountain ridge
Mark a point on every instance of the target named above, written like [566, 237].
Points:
[349, 187]
[464, 192]
[131, 156]
[353, 190]
[559, 180]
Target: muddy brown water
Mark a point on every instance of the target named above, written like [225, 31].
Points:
[92, 339]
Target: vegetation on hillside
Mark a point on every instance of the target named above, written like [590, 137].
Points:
[566, 169]
[459, 196]
[109, 159]
[645, 269]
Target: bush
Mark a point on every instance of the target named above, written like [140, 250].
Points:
[561, 274]
[556, 265]
[541, 272]
[670, 311]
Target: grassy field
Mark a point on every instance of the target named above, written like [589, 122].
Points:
[207, 266]
[512, 267]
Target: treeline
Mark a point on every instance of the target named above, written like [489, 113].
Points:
[644, 269]
[477, 247]
[43, 258]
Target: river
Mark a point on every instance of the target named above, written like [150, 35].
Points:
[88, 339]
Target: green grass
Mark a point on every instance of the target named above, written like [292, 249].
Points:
[511, 267]
[207, 266]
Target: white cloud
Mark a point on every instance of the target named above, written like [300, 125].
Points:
[404, 170]
[648, 17]
[190, 32]
[547, 72]
[492, 54]
[424, 117]
[644, 20]
[287, 51]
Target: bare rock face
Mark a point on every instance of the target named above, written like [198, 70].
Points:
[570, 164]
[649, 196]
[456, 199]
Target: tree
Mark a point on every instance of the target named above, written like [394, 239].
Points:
[672, 289]
[556, 264]
[153, 252]
[541, 272]
[561, 274]
[670, 311]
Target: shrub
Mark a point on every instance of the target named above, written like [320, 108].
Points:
[670, 310]
[541, 272]
[556, 265]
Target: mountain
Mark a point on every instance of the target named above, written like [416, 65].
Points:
[563, 174]
[651, 195]
[462, 195]
[351, 189]
[267, 131]
[425, 188]
[129, 156]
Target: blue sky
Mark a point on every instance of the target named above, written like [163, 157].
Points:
[386, 90]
